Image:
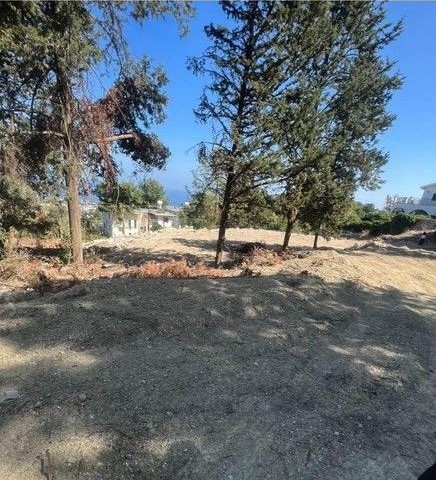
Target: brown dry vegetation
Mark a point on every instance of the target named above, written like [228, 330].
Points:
[187, 253]
[319, 366]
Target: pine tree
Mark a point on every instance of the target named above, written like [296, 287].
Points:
[51, 50]
[152, 192]
[240, 65]
[326, 204]
[334, 100]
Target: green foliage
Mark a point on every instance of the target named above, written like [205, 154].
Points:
[202, 211]
[257, 209]
[156, 227]
[326, 204]
[55, 128]
[20, 207]
[152, 191]
[240, 66]
[119, 198]
[378, 222]
[333, 104]
[91, 225]
[401, 222]
[22, 211]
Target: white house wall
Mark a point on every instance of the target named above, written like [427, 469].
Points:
[428, 195]
[114, 227]
[413, 207]
[425, 203]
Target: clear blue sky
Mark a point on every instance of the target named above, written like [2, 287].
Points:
[411, 141]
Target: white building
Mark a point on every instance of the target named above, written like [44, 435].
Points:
[128, 224]
[138, 222]
[425, 204]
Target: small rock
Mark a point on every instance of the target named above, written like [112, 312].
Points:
[337, 434]
[360, 425]
[38, 404]
[8, 396]
[82, 397]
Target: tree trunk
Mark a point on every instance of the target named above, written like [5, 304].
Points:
[71, 164]
[223, 221]
[72, 181]
[221, 235]
[291, 217]
[315, 241]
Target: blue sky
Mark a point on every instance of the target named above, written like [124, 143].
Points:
[411, 141]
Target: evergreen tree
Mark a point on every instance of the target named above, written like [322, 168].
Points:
[335, 95]
[202, 210]
[50, 51]
[326, 205]
[152, 192]
[119, 196]
[240, 65]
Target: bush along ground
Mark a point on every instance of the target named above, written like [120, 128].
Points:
[380, 222]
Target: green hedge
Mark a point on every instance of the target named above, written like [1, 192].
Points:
[383, 223]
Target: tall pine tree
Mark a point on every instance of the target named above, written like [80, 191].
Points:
[240, 65]
[333, 105]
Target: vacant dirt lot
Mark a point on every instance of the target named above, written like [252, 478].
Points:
[319, 365]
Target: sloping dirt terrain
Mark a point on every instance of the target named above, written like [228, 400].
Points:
[321, 367]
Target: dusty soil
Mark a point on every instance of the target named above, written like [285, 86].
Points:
[320, 367]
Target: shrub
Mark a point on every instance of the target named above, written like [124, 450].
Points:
[91, 225]
[156, 227]
[172, 269]
[401, 222]
[382, 223]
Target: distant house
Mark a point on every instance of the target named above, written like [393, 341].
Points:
[163, 218]
[426, 204]
[139, 221]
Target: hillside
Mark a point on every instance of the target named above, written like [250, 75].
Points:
[320, 367]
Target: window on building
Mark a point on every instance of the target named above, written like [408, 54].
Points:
[434, 197]
[132, 223]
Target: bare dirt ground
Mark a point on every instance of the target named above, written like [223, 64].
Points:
[318, 365]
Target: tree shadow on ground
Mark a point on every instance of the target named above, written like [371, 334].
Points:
[231, 246]
[135, 256]
[204, 251]
[390, 250]
[411, 240]
[43, 253]
[247, 378]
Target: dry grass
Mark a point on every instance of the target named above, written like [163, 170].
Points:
[171, 269]
[187, 253]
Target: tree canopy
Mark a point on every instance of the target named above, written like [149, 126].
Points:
[298, 93]
[152, 192]
[50, 123]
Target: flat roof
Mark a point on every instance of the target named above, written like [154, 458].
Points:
[429, 185]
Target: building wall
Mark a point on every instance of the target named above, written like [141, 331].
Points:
[410, 207]
[427, 196]
[136, 223]
[164, 222]
[114, 227]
